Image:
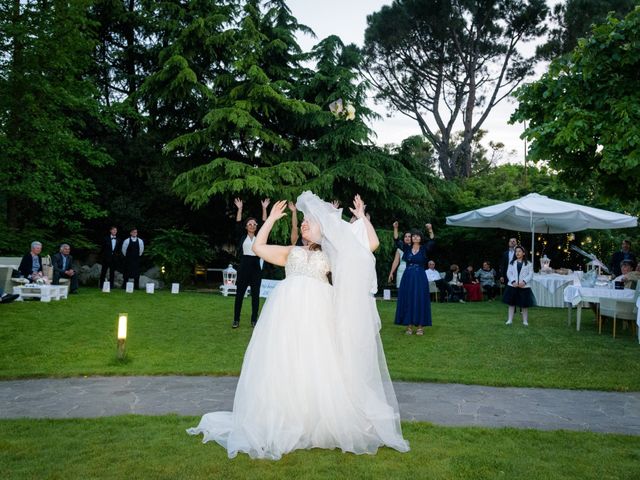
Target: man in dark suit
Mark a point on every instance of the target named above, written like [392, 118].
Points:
[618, 257]
[31, 264]
[110, 255]
[61, 263]
[506, 258]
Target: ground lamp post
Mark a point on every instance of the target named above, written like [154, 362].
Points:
[122, 335]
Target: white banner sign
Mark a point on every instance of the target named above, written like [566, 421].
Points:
[266, 286]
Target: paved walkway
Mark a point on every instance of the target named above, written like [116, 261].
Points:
[441, 404]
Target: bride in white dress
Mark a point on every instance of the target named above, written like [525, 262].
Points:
[314, 374]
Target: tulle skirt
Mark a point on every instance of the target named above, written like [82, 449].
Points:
[519, 297]
[291, 393]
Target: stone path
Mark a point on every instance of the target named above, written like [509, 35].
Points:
[441, 404]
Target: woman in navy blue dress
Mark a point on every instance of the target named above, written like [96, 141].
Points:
[414, 304]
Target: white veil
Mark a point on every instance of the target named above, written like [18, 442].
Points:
[356, 316]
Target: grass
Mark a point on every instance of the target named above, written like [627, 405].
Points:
[190, 334]
[136, 447]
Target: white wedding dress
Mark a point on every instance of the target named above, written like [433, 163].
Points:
[301, 385]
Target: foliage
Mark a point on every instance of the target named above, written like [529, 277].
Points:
[439, 62]
[48, 113]
[178, 252]
[573, 19]
[584, 113]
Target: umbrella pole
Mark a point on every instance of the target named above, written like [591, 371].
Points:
[533, 248]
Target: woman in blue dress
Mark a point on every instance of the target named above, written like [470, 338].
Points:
[414, 304]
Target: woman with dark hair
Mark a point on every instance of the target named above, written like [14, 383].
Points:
[414, 303]
[398, 263]
[518, 290]
[250, 270]
[314, 374]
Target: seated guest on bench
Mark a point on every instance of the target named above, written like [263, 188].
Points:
[31, 264]
[62, 268]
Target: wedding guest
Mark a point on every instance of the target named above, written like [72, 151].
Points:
[398, 263]
[518, 290]
[628, 275]
[31, 264]
[414, 303]
[62, 268]
[505, 260]
[624, 254]
[250, 270]
[487, 278]
[454, 279]
[433, 275]
[471, 284]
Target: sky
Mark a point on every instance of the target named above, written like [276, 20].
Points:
[348, 20]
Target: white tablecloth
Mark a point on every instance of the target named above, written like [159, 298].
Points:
[548, 289]
[575, 295]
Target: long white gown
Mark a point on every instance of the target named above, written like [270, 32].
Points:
[299, 387]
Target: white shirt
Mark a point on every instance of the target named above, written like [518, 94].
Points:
[247, 244]
[432, 275]
[125, 245]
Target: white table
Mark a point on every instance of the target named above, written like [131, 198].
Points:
[638, 318]
[549, 288]
[45, 293]
[575, 295]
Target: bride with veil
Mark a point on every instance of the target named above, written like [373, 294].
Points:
[314, 374]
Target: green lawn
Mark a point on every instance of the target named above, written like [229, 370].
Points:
[190, 334]
[137, 447]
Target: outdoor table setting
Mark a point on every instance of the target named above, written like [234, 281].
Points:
[575, 295]
[549, 289]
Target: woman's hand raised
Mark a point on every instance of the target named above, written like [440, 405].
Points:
[278, 210]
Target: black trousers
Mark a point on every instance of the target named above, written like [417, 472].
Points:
[108, 264]
[249, 275]
[131, 271]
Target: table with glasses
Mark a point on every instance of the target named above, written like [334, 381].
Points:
[574, 295]
[549, 289]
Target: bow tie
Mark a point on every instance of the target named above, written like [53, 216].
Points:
[113, 238]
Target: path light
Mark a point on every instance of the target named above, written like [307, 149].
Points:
[122, 334]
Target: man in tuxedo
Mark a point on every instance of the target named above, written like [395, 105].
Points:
[61, 263]
[110, 255]
[506, 258]
[132, 250]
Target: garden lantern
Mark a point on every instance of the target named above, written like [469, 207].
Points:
[122, 334]
[229, 277]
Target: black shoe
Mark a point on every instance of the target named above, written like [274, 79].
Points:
[235, 324]
[8, 298]
[253, 324]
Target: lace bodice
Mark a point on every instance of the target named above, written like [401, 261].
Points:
[309, 263]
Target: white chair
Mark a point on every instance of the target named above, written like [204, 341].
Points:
[616, 309]
[433, 289]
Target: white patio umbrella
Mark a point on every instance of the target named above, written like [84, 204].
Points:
[537, 213]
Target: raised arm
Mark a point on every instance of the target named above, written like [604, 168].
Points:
[394, 265]
[358, 212]
[295, 233]
[265, 203]
[274, 254]
[238, 204]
